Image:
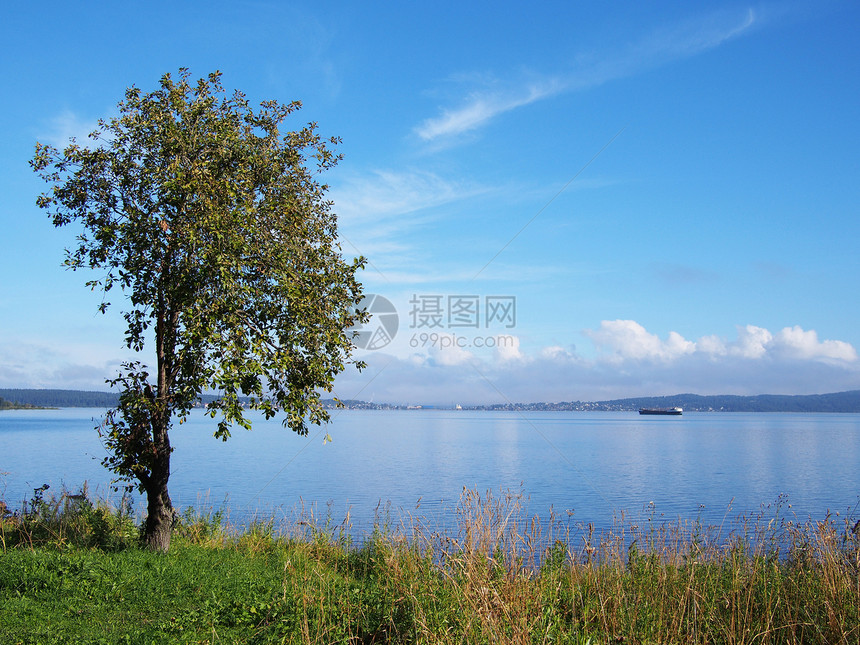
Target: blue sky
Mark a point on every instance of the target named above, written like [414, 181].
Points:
[668, 192]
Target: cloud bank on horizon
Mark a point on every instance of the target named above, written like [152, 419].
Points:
[630, 361]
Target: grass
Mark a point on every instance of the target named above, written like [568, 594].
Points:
[71, 571]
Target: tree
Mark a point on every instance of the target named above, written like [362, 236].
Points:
[211, 222]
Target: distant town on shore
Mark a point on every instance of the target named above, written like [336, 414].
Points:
[834, 402]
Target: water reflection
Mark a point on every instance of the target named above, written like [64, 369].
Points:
[595, 464]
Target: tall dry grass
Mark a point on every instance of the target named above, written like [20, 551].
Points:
[502, 576]
[508, 578]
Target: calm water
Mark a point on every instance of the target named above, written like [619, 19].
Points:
[584, 465]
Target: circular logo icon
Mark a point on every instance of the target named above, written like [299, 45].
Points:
[381, 329]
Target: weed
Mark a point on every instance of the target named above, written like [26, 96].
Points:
[68, 574]
[70, 519]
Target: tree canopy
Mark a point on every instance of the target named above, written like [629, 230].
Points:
[211, 221]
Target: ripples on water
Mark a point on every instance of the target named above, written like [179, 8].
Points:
[584, 467]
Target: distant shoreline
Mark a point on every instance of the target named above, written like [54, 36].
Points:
[16, 405]
[837, 402]
[8, 405]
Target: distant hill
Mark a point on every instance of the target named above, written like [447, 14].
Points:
[67, 398]
[86, 399]
[61, 398]
[835, 402]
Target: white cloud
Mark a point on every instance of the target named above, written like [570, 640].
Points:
[557, 353]
[627, 339]
[752, 342]
[623, 340]
[712, 345]
[451, 354]
[797, 343]
[507, 348]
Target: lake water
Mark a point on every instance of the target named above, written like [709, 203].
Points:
[588, 467]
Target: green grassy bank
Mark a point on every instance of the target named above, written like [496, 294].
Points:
[71, 572]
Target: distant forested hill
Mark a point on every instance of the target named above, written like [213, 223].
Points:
[836, 402]
[68, 398]
[61, 398]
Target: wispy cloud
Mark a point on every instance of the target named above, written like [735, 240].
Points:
[679, 41]
[693, 37]
[384, 193]
[66, 126]
[384, 215]
[381, 212]
[480, 107]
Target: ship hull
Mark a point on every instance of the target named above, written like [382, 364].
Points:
[673, 412]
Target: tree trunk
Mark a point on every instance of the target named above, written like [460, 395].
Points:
[159, 520]
[160, 514]
[159, 510]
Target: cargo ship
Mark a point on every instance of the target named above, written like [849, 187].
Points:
[665, 411]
